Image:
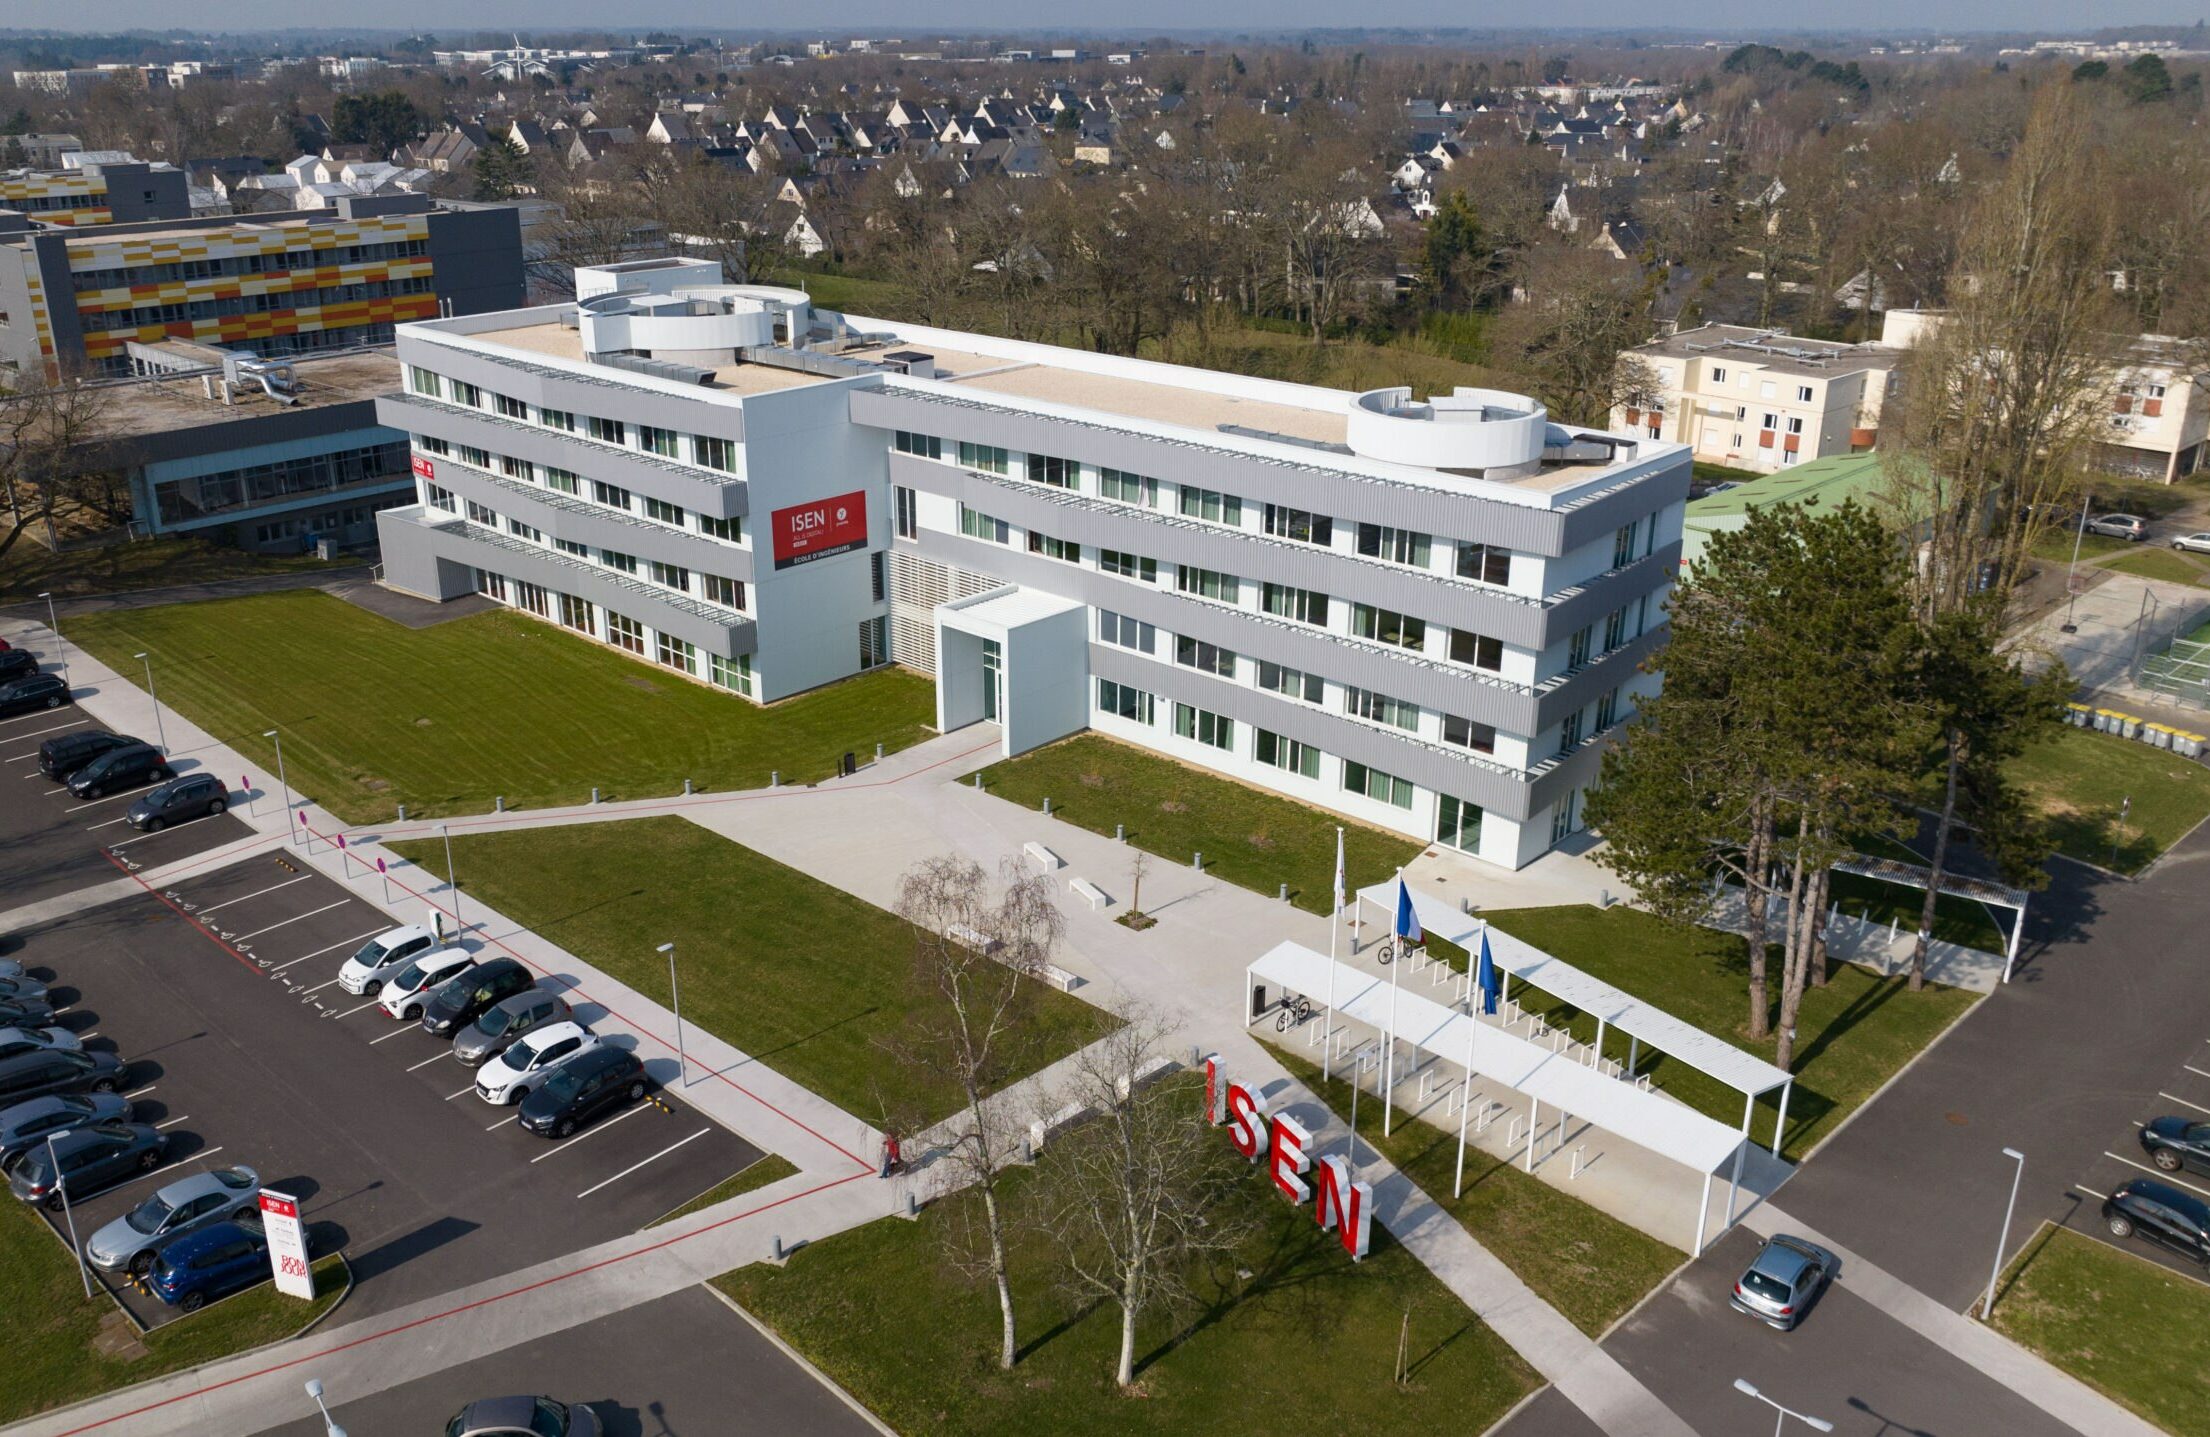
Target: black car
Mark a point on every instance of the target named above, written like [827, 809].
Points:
[28, 1123]
[91, 1159]
[34, 1075]
[22, 990]
[119, 769]
[39, 691]
[460, 1000]
[2163, 1215]
[26, 1013]
[180, 800]
[17, 664]
[2177, 1143]
[523, 1417]
[60, 757]
[582, 1088]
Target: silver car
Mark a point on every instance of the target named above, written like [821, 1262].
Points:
[1786, 1278]
[2195, 543]
[183, 1206]
[2129, 527]
[496, 1030]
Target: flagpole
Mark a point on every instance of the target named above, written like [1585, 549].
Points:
[1389, 1065]
[1335, 922]
[1465, 1100]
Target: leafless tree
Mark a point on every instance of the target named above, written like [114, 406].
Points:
[49, 461]
[1571, 335]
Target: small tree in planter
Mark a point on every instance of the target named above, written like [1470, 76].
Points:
[1135, 917]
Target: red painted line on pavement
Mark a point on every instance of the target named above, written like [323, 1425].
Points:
[454, 1311]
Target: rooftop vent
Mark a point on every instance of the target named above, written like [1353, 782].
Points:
[657, 368]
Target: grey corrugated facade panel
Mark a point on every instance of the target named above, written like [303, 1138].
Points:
[1575, 771]
[617, 396]
[1500, 793]
[590, 524]
[142, 192]
[1256, 558]
[476, 259]
[1602, 514]
[699, 490]
[1590, 682]
[414, 561]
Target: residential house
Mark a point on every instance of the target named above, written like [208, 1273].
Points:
[1759, 398]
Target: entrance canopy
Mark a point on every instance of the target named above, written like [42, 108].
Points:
[1015, 657]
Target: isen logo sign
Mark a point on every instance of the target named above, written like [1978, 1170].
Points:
[1285, 1146]
[825, 527]
[423, 468]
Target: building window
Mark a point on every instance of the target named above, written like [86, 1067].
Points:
[988, 458]
[1063, 549]
[624, 632]
[927, 446]
[560, 419]
[520, 469]
[1576, 648]
[1060, 473]
[1607, 710]
[490, 585]
[570, 546]
[422, 381]
[616, 560]
[874, 642]
[1216, 730]
[715, 453]
[1291, 683]
[560, 480]
[613, 496]
[663, 512]
[656, 441]
[471, 455]
[715, 589]
[1803, 394]
[431, 444]
[1622, 545]
[1285, 753]
[678, 654]
[1122, 701]
[1795, 426]
[1211, 506]
[908, 512]
[533, 598]
[671, 576]
[510, 407]
[1206, 583]
[1465, 733]
[607, 431]
[978, 525]
[734, 674]
[521, 530]
[1306, 606]
[1126, 488]
[728, 530]
[1366, 704]
[1485, 563]
[1387, 626]
[468, 394]
[1124, 632]
[1457, 824]
[1211, 658]
[1372, 782]
[576, 613]
[1128, 566]
[878, 574]
[1478, 650]
[1298, 525]
[1569, 733]
[1718, 374]
[440, 498]
[1615, 629]
[478, 514]
[1397, 546]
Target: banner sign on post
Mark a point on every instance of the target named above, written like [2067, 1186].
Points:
[287, 1244]
[820, 529]
[424, 467]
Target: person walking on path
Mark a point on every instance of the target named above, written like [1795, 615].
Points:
[891, 1159]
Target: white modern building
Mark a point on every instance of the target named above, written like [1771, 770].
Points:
[1758, 398]
[1426, 616]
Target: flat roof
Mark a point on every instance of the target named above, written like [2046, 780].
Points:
[161, 405]
[1772, 349]
[558, 341]
[1831, 480]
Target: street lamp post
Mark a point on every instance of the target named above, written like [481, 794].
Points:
[675, 991]
[452, 884]
[1987, 1308]
[1749, 1389]
[329, 1428]
[68, 1213]
[159, 733]
[53, 621]
[283, 783]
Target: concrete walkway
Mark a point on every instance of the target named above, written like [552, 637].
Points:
[191, 593]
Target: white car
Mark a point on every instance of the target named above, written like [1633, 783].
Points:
[408, 989]
[509, 1077]
[365, 973]
[2195, 543]
[16, 1041]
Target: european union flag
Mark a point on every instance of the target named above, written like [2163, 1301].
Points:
[1488, 977]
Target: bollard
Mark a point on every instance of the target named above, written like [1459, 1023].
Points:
[498, 804]
[1047, 805]
[1120, 833]
[1578, 1148]
[978, 781]
[778, 1250]
[1285, 893]
[1028, 1149]
[594, 795]
[878, 753]
[912, 1206]
[1198, 861]
[686, 788]
[402, 813]
[774, 778]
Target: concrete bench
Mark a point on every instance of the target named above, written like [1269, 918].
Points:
[1042, 1129]
[1159, 1066]
[1042, 857]
[1090, 893]
[972, 938]
[1059, 977]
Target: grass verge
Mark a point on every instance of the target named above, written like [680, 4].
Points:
[1587, 1264]
[2119, 1323]
[444, 719]
[770, 1168]
[2082, 780]
[807, 979]
[2169, 565]
[30, 569]
[1248, 837]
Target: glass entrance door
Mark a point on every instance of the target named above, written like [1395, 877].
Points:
[993, 662]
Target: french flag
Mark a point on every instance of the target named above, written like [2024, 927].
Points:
[1408, 918]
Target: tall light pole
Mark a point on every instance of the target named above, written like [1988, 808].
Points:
[1749, 1389]
[682, 1062]
[282, 783]
[329, 1428]
[68, 1213]
[158, 729]
[1987, 1307]
[53, 621]
[452, 884]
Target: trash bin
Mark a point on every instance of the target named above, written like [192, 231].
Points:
[326, 549]
[851, 765]
[2129, 725]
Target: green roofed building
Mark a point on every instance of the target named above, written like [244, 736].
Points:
[1823, 483]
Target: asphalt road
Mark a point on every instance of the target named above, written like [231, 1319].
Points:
[727, 1382]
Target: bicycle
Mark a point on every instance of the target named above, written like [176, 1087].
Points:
[1390, 950]
[1295, 1012]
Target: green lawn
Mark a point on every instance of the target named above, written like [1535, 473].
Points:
[1292, 1332]
[2117, 1322]
[1248, 837]
[447, 718]
[1587, 1264]
[48, 1356]
[1707, 473]
[812, 982]
[30, 568]
[1851, 1035]
[2167, 564]
[2082, 780]
[2056, 543]
[1956, 920]
[771, 1168]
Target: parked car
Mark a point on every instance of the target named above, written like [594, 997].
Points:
[189, 1203]
[121, 768]
[457, 1002]
[17, 664]
[2174, 1144]
[213, 1262]
[583, 1089]
[510, 1077]
[28, 1123]
[523, 1417]
[34, 1075]
[380, 958]
[2130, 527]
[39, 691]
[11, 967]
[26, 1012]
[180, 800]
[408, 989]
[37, 1040]
[494, 1032]
[91, 1159]
[22, 990]
[1783, 1281]
[2162, 1215]
[2195, 543]
[62, 756]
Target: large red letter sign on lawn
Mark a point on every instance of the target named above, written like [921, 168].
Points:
[1289, 1141]
[1246, 1122]
[1345, 1206]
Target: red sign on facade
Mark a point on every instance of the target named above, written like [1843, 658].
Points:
[817, 530]
[423, 468]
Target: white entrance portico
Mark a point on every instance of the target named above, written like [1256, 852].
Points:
[1016, 658]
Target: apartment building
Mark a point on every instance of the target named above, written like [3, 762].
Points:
[1760, 399]
[1426, 616]
[96, 188]
[296, 283]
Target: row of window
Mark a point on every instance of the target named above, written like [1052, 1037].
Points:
[619, 630]
[713, 588]
[246, 264]
[273, 302]
[1766, 388]
[707, 451]
[563, 481]
[182, 500]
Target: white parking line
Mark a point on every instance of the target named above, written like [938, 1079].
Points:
[325, 908]
[579, 1137]
[174, 1121]
[514, 1118]
[351, 1011]
[133, 793]
[2183, 1102]
[2091, 1192]
[107, 823]
[180, 1162]
[625, 1172]
[469, 1089]
[256, 893]
[331, 949]
[2190, 1067]
[34, 733]
[2158, 1173]
[87, 1033]
[141, 1092]
[317, 988]
[141, 838]
[427, 1061]
[396, 1032]
[24, 718]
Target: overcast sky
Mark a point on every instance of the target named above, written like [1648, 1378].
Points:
[900, 16]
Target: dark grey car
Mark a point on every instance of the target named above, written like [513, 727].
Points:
[34, 1075]
[524, 1417]
[91, 1159]
[27, 1123]
[490, 1035]
[180, 800]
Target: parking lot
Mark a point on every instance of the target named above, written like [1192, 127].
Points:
[2186, 1094]
[220, 992]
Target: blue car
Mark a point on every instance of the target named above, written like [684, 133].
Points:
[213, 1262]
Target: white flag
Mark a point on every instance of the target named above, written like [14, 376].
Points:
[1338, 870]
